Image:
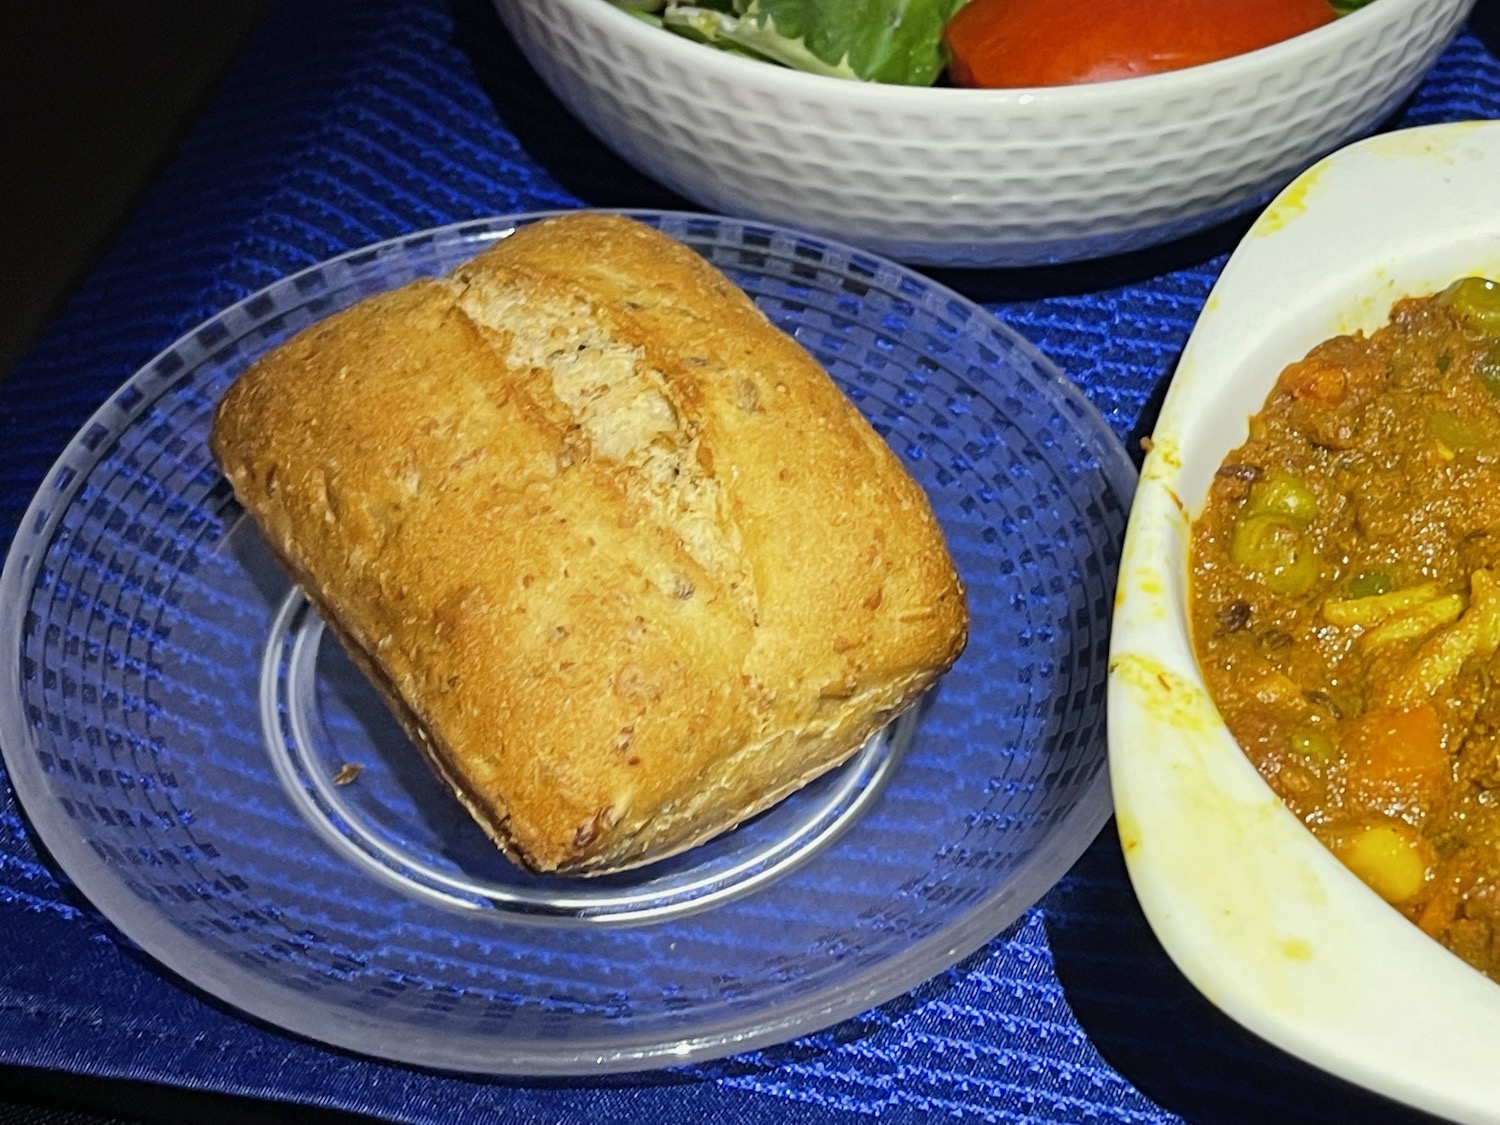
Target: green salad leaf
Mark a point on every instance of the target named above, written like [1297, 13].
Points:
[899, 41]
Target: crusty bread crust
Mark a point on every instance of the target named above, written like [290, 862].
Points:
[626, 564]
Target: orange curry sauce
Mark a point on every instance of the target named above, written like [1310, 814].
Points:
[1346, 606]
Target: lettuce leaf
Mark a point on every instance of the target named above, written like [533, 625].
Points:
[898, 41]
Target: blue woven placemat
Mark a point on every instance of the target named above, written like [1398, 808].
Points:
[349, 121]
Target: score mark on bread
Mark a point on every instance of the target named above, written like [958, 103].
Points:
[625, 563]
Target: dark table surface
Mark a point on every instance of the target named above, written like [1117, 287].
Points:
[350, 121]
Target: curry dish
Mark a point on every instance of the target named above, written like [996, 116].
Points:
[1346, 606]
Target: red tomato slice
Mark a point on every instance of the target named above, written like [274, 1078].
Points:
[1062, 42]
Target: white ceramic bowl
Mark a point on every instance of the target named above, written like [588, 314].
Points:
[1250, 906]
[943, 176]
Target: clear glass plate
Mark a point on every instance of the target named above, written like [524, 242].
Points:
[217, 779]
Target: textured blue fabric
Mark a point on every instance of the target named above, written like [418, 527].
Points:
[349, 121]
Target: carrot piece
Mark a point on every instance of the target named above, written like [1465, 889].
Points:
[1396, 760]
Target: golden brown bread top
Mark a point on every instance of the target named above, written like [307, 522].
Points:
[627, 563]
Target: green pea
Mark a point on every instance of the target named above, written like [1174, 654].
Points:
[1370, 584]
[1280, 493]
[1312, 744]
[1476, 300]
[1275, 550]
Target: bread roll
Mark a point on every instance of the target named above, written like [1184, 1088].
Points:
[625, 563]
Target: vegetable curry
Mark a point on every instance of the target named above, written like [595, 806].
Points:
[1346, 606]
